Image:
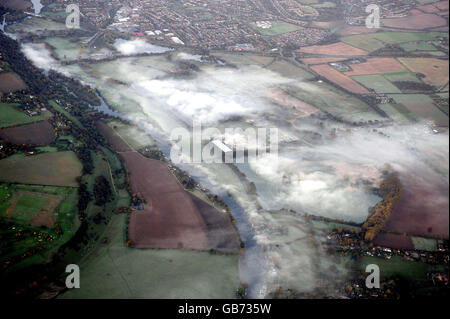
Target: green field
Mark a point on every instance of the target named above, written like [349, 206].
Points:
[277, 28]
[402, 76]
[418, 46]
[10, 115]
[115, 271]
[325, 4]
[411, 270]
[398, 113]
[375, 41]
[427, 244]
[422, 106]
[376, 82]
[55, 169]
[27, 207]
[37, 243]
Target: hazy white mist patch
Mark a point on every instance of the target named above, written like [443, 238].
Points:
[41, 57]
[214, 94]
[138, 46]
[329, 179]
[189, 57]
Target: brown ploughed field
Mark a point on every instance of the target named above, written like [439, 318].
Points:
[111, 136]
[40, 133]
[172, 218]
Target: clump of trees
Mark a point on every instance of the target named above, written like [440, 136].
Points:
[102, 191]
[138, 199]
[391, 191]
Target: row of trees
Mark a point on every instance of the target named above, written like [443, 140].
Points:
[391, 191]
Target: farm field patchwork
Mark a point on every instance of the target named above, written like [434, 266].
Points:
[376, 82]
[35, 221]
[435, 70]
[117, 271]
[375, 66]
[422, 106]
[339, 79]
[375, 41]
[398, 113]
[402, 76]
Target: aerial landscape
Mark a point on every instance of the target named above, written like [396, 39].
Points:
[232, 149]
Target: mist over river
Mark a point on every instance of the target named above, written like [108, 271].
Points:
[323, 167]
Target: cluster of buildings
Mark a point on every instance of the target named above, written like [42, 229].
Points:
[207, 24]
[302, 37]
[292, 10]
[350, 242]
[28, 103]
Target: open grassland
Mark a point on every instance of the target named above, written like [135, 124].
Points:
[435, 70]
[9, 82]
[334, 101]
[418, 46]
[375, 41]
[40, 133]
[289, 70]
[427, 244]
[11, 115]
[402, 76]
[116, 271]
[422, 106]
[398, 113]
[413, 271]
[377, 83]
[55, 169]
[278, 27]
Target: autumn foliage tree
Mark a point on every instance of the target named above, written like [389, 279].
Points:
[391, 191]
